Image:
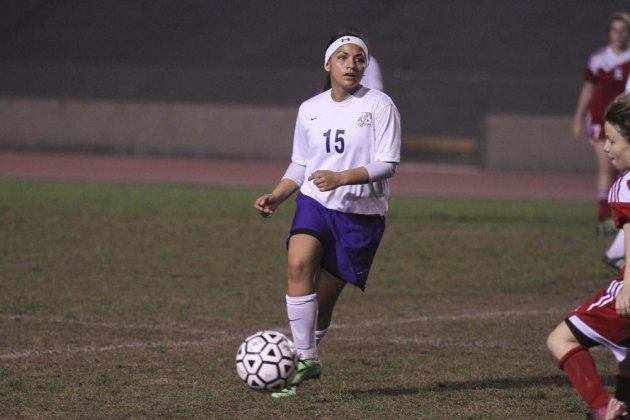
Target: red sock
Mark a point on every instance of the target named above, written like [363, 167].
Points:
[579, 366]
[604, 212]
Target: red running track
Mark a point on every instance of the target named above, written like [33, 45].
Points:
[410, 179]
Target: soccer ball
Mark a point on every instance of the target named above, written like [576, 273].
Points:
[266, 361]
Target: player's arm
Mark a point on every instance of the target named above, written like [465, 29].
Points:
[266, 204]
[372, 172]
[290, 183]
[622, 304]
[586, 94]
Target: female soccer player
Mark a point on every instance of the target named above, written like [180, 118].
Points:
[605, 318]
[345, 147]
[604, 78]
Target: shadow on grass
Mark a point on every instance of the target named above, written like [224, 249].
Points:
[501, 383]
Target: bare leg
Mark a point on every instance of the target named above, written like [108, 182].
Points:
[304, 255]
[329, 288]
[579, 366]
[619, 404]
[303, 260]
[561, 341]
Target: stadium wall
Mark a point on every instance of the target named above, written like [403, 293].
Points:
[510, 141]
[147, 128]
[534, 142]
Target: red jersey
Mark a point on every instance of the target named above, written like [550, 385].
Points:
[619, 199]
[609, 73]
[619, 202]
[596, 321]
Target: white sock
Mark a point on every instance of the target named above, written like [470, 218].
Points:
[302, 312]
[616, 249]
[319, 335]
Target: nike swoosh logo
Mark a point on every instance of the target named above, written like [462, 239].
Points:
[314, 118]
[296, 319]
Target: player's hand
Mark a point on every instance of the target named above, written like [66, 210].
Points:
[326, 180]
[622, 303]
[615, 409]
[266, 204]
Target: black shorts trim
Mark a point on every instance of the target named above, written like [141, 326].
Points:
[306, 231]
[579, 335]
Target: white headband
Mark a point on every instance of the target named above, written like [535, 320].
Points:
[347, 39]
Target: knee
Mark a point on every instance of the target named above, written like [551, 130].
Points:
[551, 342]
[557, 343]
[299, 269]
[301, 274]
[561, 341]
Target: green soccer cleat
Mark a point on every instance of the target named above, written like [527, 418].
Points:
[286, 392]
[307, 369]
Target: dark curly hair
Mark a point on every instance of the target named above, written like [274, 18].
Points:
[618, 114]
[353, 31]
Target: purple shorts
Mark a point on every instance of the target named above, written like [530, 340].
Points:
[349, 240]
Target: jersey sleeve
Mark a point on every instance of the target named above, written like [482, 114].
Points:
[592, 67]
[619, 200]
[299, 154]
[589, 76]
[387, 133]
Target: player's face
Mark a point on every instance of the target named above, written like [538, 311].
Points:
[346, 67]
[617, 147]
[619, 34]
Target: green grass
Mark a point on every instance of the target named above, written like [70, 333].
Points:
[122, 300]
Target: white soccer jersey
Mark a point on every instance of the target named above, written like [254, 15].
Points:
[345, 135]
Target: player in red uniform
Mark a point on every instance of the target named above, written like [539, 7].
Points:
[604, 78]
[605, 318]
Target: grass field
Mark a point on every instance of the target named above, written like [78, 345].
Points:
[129, 301]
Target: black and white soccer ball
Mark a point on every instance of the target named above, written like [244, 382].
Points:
[266, 361]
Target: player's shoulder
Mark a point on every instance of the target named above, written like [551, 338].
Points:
[315, 101]
[599, 57]
[625, 60]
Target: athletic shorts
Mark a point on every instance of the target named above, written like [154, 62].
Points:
[597, 323]
[349, 240]
[595, 128]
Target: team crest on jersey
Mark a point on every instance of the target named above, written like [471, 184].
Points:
[365, 119]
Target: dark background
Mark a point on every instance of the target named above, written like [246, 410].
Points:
[446, 63]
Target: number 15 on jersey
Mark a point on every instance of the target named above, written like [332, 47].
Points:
[338, 141]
